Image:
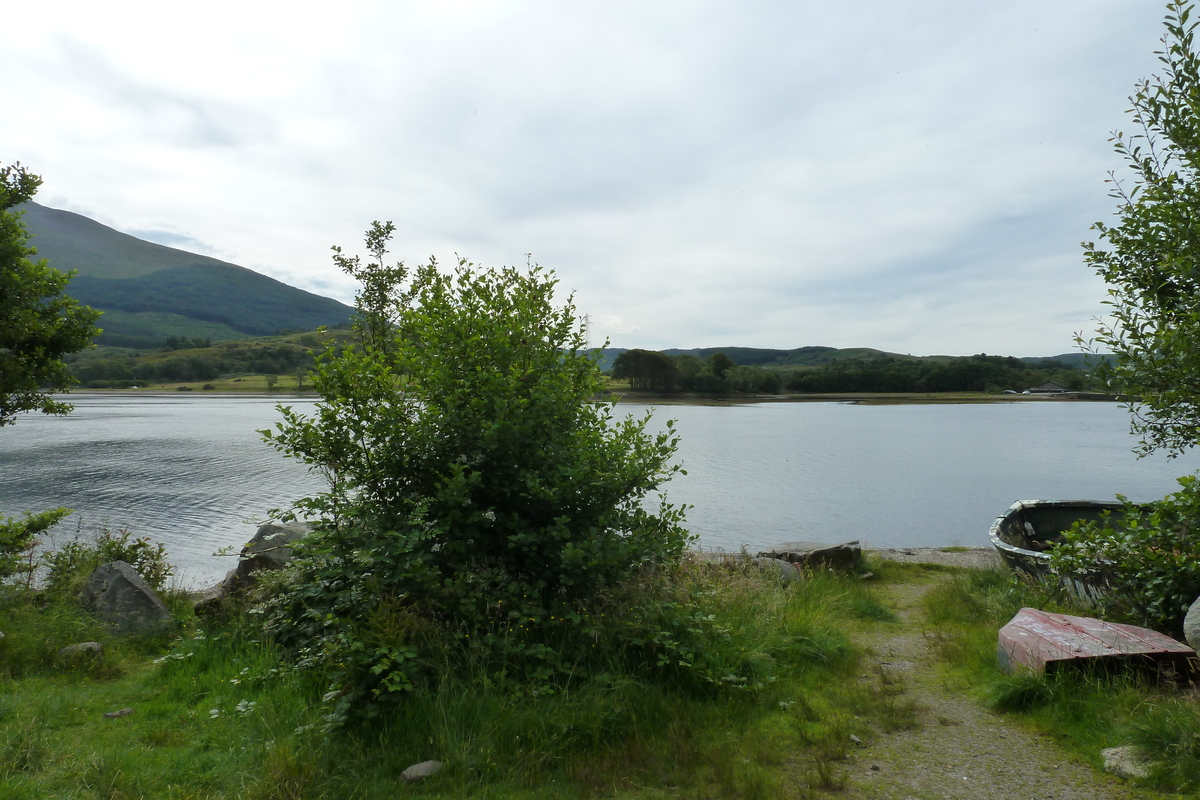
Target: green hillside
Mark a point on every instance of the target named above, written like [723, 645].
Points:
[150, 291]
[149, 329]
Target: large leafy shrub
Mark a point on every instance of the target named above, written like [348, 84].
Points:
[478, 489]
[1148, 557]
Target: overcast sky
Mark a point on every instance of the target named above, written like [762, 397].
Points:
[915, 176]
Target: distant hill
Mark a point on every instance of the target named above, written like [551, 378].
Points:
[150, 291]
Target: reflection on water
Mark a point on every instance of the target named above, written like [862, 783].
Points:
[193, 473]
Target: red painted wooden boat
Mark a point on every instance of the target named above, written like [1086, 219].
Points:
[1044, 643]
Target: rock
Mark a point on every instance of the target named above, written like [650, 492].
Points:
[1125, 761]
[271, 548]
[418, 771]
[845, 556]
[119, 597]
[786, 570]
[80, 651]
[1191, 626]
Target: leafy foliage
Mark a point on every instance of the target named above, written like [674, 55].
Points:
[1151, 262]
[18, 537]
[38, 323]
[73, 561]
[647, 370]
[476, 487]
[1150, 557]
[977, 373]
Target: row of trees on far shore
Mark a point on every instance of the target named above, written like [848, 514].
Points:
[651, 371]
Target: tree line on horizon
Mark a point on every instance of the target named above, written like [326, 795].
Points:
[653, 371]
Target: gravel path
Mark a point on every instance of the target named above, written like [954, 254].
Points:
[960, 750]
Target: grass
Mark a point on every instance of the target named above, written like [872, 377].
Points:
[217, 712]
[1086, 711]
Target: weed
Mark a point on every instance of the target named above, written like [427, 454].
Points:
[22, 744]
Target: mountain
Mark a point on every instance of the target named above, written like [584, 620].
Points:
[150, 291]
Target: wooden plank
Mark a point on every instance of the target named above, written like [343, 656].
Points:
[1038, 641]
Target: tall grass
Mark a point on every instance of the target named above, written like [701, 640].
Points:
[217, 712]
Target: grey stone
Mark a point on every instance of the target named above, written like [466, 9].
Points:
[1191, 626]
[1125, 761]
[845, 556]
[418, 771]
[271, 548]
[81, 650]
[786, 570]
[118, 596]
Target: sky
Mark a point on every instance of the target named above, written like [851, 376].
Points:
[915, 177]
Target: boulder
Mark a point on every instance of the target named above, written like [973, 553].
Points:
[786, 570]
[845, 556]
[1191, 626]
[271, 548]
[118, 596]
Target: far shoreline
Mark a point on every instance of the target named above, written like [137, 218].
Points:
[689, 399]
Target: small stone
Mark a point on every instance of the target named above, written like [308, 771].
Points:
[874, 768]
[121, 713]
[418, 771]
[1125, 761]
[76, 651]
[855, 739]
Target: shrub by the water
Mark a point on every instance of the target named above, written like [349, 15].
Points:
[1149, 558]
[478, 491]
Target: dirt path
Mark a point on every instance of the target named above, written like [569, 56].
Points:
[960, 749]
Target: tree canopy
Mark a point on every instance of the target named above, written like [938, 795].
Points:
[38, 323]
[1152, 258]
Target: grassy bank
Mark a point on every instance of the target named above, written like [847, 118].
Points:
[217, 712]
[1085, 711]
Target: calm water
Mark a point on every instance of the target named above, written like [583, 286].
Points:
[192, 472]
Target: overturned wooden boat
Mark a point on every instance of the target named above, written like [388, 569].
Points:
[1029, 528]
[1042, 642]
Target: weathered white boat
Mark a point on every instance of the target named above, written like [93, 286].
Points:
[1025, 533]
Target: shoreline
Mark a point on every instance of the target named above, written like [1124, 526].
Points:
[852, 398]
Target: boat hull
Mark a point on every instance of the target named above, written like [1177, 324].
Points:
[1027, 530]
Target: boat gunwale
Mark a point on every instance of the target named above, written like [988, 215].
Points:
[1033, 562]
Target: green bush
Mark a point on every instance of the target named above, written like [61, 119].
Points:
[17, 539]
[1149, 558]
[478, 492]
[69, 564]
